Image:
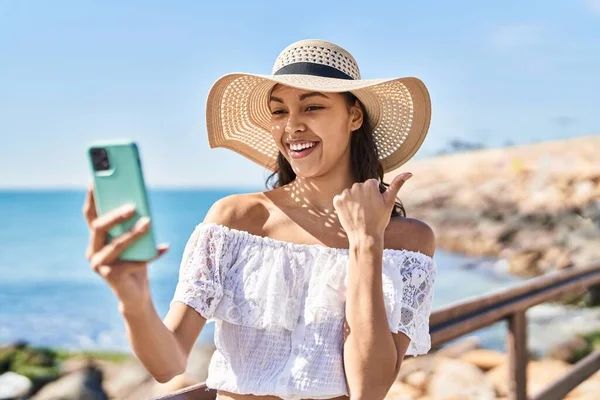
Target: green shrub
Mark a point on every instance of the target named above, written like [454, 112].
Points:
[7, 356]
[39, 357]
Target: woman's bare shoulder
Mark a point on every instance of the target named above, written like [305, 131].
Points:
[410, 234]
[245, 211]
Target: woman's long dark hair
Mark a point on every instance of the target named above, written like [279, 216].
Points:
[364, 157]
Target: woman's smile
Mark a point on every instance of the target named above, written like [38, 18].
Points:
[301, 149]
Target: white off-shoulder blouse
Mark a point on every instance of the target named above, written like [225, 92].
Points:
[278, 309]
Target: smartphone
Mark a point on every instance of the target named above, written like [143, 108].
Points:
[118, 180]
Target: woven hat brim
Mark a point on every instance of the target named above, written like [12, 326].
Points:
[238, 116]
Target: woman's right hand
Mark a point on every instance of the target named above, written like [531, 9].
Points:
[127, 279]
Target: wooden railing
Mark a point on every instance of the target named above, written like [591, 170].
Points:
[511, 304]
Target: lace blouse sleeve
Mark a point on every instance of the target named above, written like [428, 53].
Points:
[408, 291]
[202, 269]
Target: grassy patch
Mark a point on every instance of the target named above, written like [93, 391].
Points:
[32, 360]
[112, 356]
[593, 340]
[42, 365]
[593, 343]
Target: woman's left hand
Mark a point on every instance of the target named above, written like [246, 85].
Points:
[365, 212]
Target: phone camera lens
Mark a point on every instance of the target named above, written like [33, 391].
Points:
[100, 159]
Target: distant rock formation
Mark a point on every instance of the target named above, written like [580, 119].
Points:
[536, 206]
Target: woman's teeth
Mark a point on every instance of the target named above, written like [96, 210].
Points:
[301, 146]
[301, 150]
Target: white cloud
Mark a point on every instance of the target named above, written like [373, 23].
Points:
[517, 36]
[594, 6]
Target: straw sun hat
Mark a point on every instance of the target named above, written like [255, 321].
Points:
[238, 115]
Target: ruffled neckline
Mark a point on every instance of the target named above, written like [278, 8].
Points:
[257, 239]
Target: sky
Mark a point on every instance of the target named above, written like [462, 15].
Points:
[73, 72]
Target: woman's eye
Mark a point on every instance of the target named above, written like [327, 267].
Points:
[313, 108]
[275, 112]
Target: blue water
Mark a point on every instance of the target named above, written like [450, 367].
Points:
[50, 297]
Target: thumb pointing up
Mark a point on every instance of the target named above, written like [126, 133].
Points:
[389, 196]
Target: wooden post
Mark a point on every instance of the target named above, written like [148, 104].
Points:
[516, 345]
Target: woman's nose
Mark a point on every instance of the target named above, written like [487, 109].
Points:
[294, 123]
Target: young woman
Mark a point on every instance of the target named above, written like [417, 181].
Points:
[320, 286]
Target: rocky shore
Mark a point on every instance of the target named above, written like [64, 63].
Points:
[462, 370]
[45, 374]
[535, 206]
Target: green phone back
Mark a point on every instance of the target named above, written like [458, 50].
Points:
[121, 184]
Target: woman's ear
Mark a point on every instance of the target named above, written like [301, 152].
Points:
[356, 115]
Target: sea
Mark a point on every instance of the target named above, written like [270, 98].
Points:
[50, 297]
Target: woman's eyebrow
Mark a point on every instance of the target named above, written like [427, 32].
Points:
[302, 97]
[311, 94]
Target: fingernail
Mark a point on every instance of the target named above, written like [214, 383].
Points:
[408, 176]
[127, 208]
[143, 222]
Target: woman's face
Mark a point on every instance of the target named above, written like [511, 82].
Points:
[312, 129]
